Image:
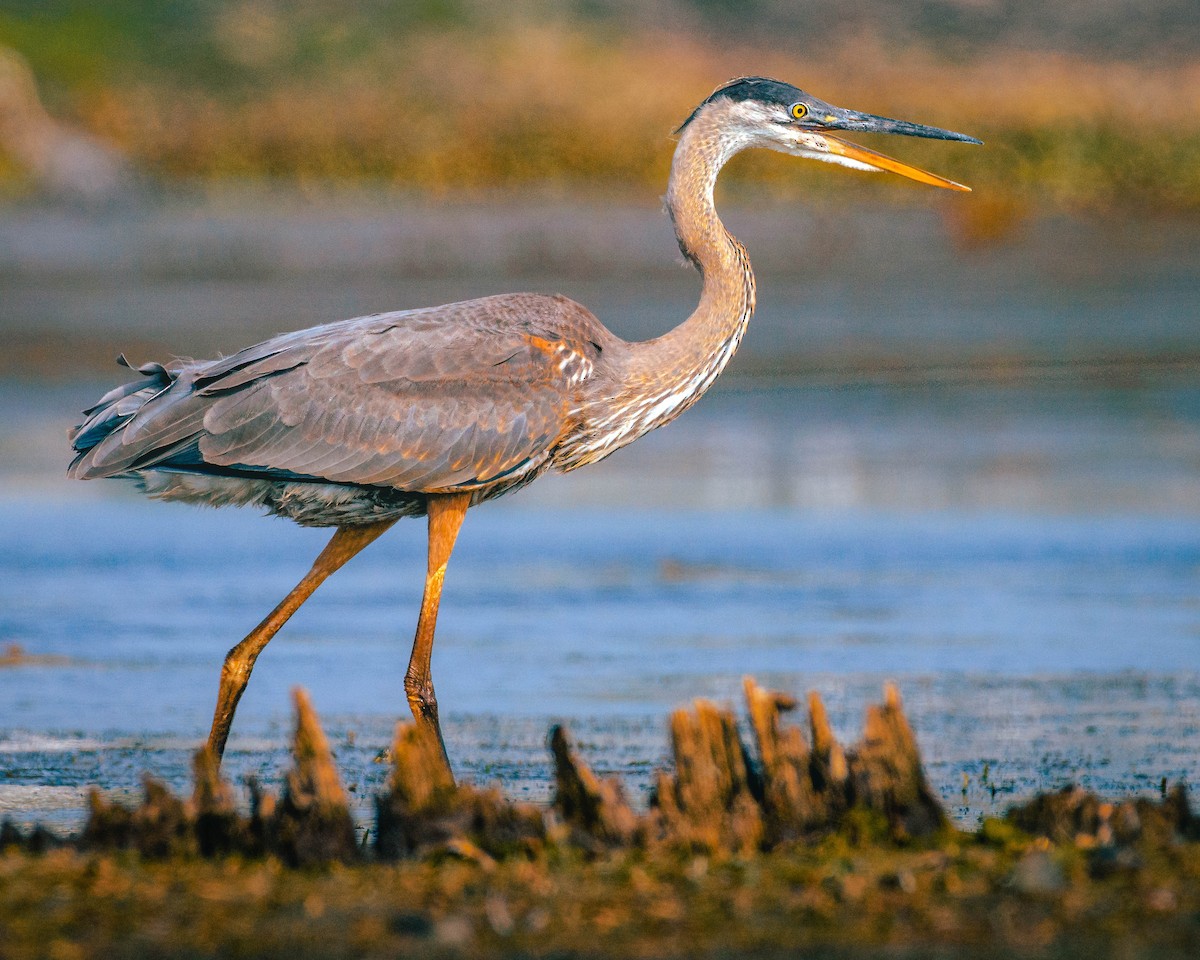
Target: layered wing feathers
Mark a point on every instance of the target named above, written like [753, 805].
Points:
[450, 397]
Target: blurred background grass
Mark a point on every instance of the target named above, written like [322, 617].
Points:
[1086, 106]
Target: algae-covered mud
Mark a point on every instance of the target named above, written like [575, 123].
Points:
[970, 897]
[768, 842]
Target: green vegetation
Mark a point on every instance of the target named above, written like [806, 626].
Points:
[966, 897]
[448, 95]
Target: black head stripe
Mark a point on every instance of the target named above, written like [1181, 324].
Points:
[760, 89]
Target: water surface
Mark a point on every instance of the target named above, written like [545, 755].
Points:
[1022, 559]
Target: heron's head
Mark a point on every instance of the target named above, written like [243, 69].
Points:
[768, 113]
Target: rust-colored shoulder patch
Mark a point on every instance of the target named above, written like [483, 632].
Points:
[572, 365]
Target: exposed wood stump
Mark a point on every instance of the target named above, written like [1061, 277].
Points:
[722, 797]
[312, 823]
[829, 769]
[718, 799]
[38, 840]
[161, 826]
[708, 804]
[424, 812]
[885, 773]
[595, 810]
[795, 795]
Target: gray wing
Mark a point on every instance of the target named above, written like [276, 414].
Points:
[452, 397]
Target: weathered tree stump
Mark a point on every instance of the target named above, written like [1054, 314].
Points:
[719, 799]
[310, 825]
[425, 812]
[722, 797]
[708, 804]
[885, 773]
[159, 827]
[595, 810]
[793, 805]
[312, 822]
[37, 841]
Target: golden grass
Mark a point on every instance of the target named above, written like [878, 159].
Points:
[568, 109]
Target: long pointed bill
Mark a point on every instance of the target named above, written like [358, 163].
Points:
[827, 116]
[879, 161]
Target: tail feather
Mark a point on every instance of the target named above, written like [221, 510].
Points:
[117, 407]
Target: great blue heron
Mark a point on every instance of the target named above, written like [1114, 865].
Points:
[355, 424]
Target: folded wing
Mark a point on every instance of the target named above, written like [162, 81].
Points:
[453, 397]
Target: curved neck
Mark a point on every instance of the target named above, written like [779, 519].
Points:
[672, 371]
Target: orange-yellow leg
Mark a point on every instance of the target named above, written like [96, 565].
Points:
[235, 673]
[446, 513]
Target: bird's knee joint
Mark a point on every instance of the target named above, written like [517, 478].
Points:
[420, 693]
[235, 669]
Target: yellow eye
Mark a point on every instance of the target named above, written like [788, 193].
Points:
[799, 111]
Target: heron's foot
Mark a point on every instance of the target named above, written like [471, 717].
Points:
[219, 734]
[215, 745]
[423, 703]
[235, 673]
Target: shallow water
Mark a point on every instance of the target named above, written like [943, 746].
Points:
[1024, 560]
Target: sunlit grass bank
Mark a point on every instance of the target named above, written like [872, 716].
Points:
[248, 91]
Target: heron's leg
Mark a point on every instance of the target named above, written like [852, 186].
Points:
[235, 673]
[446, 512]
